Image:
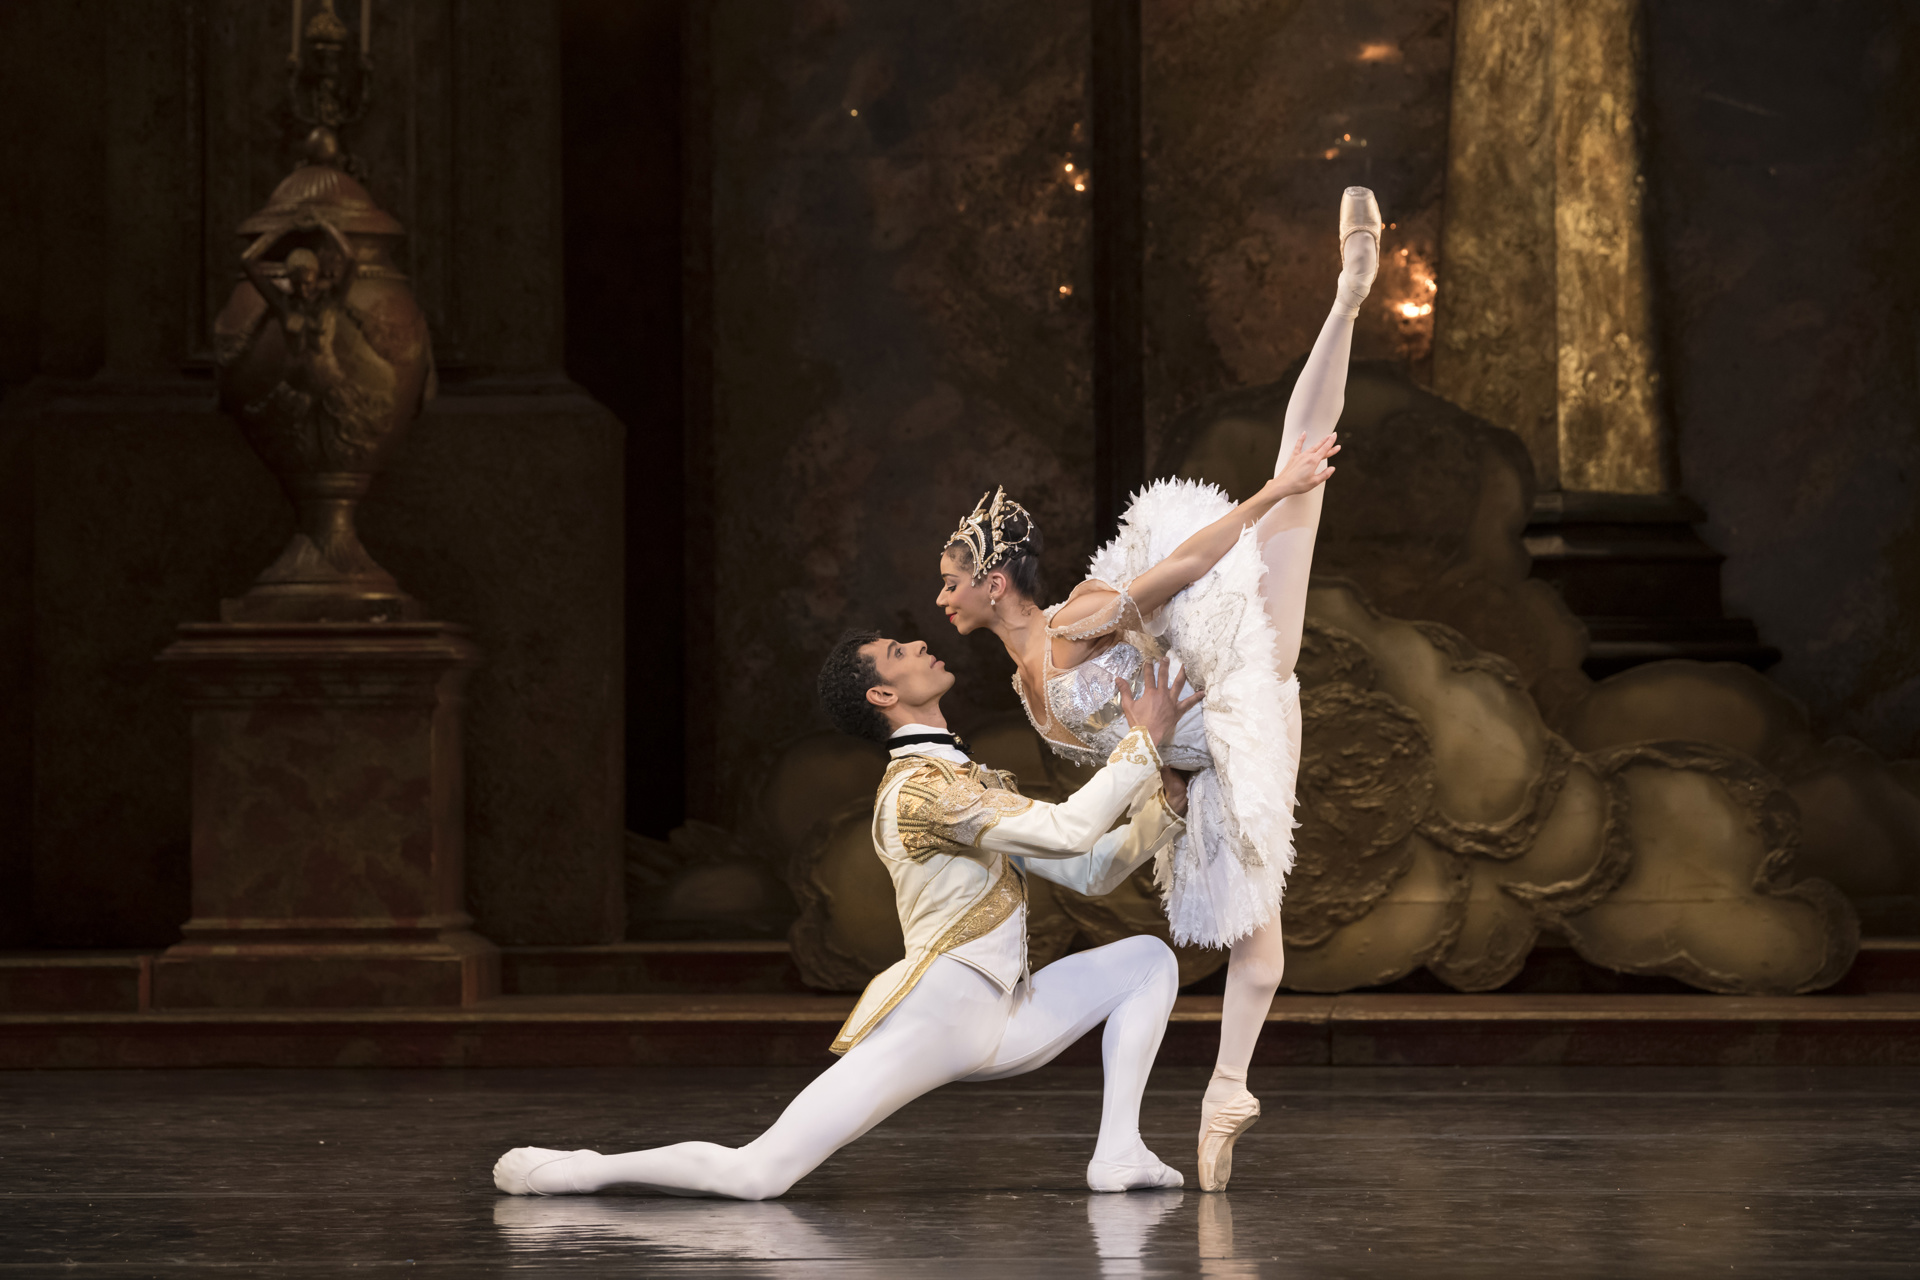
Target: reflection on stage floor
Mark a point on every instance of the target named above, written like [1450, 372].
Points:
[1351, 1172]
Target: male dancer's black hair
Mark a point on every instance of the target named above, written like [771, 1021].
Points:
[845, 677]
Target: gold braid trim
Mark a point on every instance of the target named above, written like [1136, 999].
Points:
[907, 764]
[989, 911]
[943, 809]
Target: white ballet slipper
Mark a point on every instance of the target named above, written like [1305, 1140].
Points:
[1138, 1171]
[512, 1172]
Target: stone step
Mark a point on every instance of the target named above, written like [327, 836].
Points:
[76, 981]
[664, 967]
[121, 981]
[795, 1030]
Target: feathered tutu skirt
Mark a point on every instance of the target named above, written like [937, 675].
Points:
[1225, 877]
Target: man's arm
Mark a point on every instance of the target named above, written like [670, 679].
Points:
[1075, 826]
[939, 812]
[1116, 854]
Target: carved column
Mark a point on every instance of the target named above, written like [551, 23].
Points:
[1547, 323]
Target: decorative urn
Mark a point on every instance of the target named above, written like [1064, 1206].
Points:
[324, 359]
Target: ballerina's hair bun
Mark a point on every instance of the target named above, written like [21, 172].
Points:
[1001, 534]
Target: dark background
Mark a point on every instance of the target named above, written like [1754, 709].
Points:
[811, 256]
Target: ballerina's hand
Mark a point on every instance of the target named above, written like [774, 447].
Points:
[1303, 471]
[1159, 707]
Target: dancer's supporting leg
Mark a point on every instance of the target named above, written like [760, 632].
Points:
[1286, 536]
[953, 1025]
[1131, 983]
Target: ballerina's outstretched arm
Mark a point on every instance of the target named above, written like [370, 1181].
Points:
[1304, 470]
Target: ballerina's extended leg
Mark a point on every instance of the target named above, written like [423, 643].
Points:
[1287, 532]
[1286, 535]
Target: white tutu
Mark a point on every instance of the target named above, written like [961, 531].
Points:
[1225, 877]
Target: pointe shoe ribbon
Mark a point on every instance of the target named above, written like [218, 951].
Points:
[1218, 1132]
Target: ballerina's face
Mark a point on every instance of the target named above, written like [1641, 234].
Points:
[967, 604]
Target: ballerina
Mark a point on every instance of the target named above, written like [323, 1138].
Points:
[1181, 576]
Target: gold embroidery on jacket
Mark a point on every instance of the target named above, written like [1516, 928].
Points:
[1136, 748]
[942, 809]
[989, 911]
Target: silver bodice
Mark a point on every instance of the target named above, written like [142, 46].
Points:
[1085, 702]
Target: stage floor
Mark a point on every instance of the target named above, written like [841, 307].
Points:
[1352, 1172]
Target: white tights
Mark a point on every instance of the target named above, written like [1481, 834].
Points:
[1286, 535]
[954, 1025]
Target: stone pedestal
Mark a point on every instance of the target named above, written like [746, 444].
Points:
[1636, 571]
[328, 853]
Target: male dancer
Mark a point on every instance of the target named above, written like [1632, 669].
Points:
[958, 841]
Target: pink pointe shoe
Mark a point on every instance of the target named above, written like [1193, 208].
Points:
[1359, 211]
[1359, 215]
[1219, 1130]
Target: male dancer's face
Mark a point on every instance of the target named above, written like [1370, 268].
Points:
[912, 680]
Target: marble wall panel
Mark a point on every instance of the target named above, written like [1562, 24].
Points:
[502, 513]
[143, 518]
[1257, 116]
[168, 124]
[16, 682]
[1786, 176]
[1496, 344]
[901, 291]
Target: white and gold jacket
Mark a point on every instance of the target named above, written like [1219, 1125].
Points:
[957, 839]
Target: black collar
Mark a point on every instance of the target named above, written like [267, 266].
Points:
[915, 739]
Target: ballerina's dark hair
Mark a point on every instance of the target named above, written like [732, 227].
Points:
[1010, 538]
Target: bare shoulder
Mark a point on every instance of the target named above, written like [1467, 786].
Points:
[1084, 603]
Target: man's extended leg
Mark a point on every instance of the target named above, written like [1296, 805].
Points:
[1131, 984]
[944, 1029]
